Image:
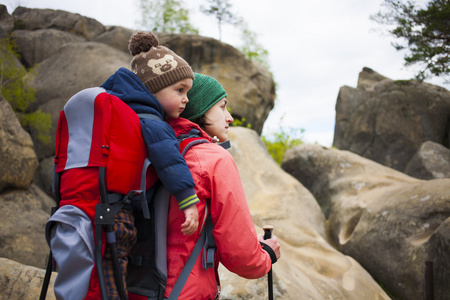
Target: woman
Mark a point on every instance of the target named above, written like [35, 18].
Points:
[221, 194]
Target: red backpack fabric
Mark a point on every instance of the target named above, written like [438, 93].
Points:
[97, 129]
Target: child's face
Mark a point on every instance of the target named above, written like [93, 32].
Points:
[218, 119]
[173, 98]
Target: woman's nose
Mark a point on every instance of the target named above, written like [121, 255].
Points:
[229, 118]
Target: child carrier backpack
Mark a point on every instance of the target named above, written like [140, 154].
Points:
[99, 141]
[100, 147]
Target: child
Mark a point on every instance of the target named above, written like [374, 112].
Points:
[158, 86]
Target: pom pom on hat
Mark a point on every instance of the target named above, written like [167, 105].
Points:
[142, 42]
[156, 66]
[205, 92]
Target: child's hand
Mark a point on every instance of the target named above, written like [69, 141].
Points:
[191, 223]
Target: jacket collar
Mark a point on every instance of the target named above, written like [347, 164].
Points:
[184, 127]
[125, 85]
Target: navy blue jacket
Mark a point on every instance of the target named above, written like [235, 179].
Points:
[162, 145]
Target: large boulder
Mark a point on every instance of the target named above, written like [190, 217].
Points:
[250, 87]
[33, 19]
[389, 222]
[37, 45]
[22, 282]
[116, 37]
[24, 214]
[387, 121]
[43, 177]
[310, 268]
[18, 159]
[431, 161]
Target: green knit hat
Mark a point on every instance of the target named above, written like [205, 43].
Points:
[205, 92]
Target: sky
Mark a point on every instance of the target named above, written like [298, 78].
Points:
[315, 48]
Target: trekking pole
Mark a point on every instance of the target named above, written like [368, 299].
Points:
[267, 235]
[48, 274]
[429, 280]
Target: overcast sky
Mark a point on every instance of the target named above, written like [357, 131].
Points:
[315, 47]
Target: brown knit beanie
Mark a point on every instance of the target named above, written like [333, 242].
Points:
[156, 66]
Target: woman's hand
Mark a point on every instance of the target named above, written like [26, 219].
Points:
[272, 243]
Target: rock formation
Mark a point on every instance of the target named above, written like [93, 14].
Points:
[24, 214]
[18, 159]
[432, 160]
[310, 267]
[387, 121]
[389, 222]
[22, 282]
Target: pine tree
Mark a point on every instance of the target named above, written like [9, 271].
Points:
[165, 16]
[425, 32]
[221, 10]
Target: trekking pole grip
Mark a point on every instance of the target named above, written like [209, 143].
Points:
[268, 231]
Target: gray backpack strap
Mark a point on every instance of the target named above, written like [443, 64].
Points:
[149, 116]
[143, 198]
[193, 143]
[147, 163]
[178, 287]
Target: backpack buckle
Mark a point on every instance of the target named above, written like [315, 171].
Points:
[128, 197]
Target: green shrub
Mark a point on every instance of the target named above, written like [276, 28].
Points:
[278, 143]
[14, 89]
[403, 82]
[39, 121]
[241, 122]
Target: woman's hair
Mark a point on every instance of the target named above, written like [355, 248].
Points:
[202, 122]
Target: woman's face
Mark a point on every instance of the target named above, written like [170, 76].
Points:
[218, 120]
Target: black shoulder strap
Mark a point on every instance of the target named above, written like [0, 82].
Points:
[209, 247]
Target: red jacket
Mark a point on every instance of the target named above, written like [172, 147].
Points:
[217, 183]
